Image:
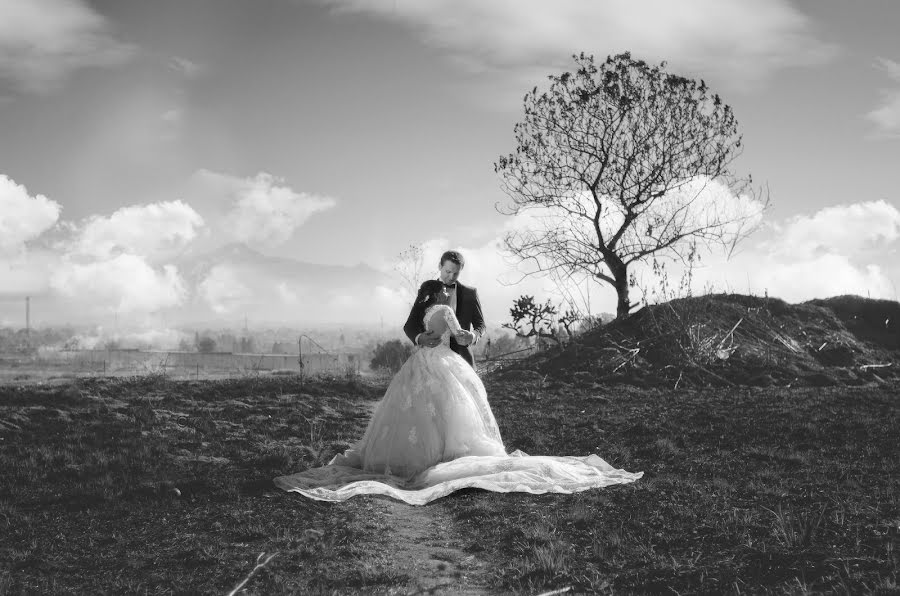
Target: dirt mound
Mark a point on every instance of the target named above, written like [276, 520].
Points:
[732, 339]
[874, 321]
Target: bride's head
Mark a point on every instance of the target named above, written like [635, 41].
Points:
[432, 292]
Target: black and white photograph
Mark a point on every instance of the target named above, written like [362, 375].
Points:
[466, 297]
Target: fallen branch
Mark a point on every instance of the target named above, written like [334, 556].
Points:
[868, 366]
[259, 565]
[727, 335]
[784, 340]
[634, 352]
[559, 591]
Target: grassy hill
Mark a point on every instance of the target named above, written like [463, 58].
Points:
[732, 339]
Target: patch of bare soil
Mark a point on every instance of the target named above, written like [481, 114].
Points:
[426, 548]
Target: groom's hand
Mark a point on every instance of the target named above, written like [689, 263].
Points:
[429, 339]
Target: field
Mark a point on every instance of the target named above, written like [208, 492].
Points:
[149, 485]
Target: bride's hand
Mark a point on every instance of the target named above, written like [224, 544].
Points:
[464, 337]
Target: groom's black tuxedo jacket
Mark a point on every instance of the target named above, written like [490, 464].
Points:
[468, 312]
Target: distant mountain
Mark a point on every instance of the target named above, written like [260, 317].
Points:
[236, 280]
[195, 268]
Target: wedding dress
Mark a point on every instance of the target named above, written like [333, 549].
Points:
[433, 433]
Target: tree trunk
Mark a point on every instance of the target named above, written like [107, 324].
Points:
[623, 307]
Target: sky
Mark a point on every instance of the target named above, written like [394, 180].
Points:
[340, 132]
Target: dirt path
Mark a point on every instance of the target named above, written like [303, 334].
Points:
[426, 547]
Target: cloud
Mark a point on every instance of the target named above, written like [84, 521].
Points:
[759, 272]
[834, 251]
[733, 39]
[852, 229]
[886, 117]
[223, 291]
[185, 67]
[146, 230]
[260, 211]
[125, 283]
[42, 41]
[26, 273]
[819, 277]
[23, 217]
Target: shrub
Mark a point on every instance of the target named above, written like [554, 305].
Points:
[390, 355]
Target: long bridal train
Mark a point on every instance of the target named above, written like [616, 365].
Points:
[516, 472]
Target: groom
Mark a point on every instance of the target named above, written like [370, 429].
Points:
[464, 302]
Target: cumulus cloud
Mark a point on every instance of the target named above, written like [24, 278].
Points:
[731, 38]
[145, 230]
[886, 116]
[842, 229]
[26, 273]
[42, 41]
[819, 277]
[836, 250]
[261, 211]
[23, 217]
[125, 283]
[223, 290]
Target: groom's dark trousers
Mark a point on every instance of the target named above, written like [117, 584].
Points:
[468, 312]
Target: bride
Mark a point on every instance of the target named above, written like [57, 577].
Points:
[433, 433]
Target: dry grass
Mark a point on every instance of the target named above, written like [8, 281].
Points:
[146, 485]
[752, 490]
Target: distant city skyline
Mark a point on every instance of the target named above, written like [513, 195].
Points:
[339, 132]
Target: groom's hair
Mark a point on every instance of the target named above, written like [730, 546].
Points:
[453, 257]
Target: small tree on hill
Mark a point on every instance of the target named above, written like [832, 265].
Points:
[568, 320]
[206, 345]
[623, 161]
[530, 319]
[390, 355]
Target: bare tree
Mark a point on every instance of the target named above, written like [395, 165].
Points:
[619, 163]
[410, 265]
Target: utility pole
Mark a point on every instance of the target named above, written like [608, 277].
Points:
[300, 352]
[28, 322]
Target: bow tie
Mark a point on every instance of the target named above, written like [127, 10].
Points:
[450, 286]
